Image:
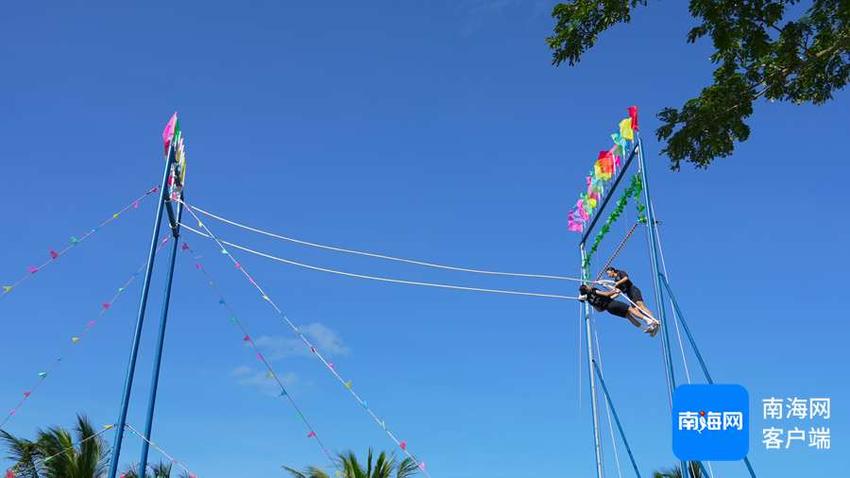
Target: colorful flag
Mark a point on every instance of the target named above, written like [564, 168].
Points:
[168, 132]
[633, 115]
[626, 129]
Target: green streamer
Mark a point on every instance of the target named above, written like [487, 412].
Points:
[633, 191]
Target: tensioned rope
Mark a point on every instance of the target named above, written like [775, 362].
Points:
[375, 278]
[675, 322]
[381, 256]
[608, 408]
[313, 349]
[164, 453]
[247, 338]
[616, 251]
[73, 342]
[73, 242]
[676, 319]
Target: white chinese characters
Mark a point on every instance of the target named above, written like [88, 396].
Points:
[711, 421]
[796, 410]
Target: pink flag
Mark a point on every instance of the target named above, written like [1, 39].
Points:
[246, 338]
[10, 474]
[422, 465]
[53, 254]
[633, 114]
[90, 324]
[106, 305]
[32, 269]
[312, 434]
[237, 265]
[168, 132]
[198, 266]
[135, 204]
[403, 445]
[575, 226]
[185, 247]
[27, 394]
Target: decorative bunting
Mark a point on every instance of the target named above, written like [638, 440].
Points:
[403, 445]
[73, 241]
[347, 383]
[247, 340]
[74, 340]
[604, 170]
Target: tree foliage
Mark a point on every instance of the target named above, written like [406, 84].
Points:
[58, 453]
[758, 51]
[385, 466]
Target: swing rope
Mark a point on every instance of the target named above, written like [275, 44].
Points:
[617, 251]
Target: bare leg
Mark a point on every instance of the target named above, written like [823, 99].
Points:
[639, 314]
[642, 305]
[632, 319]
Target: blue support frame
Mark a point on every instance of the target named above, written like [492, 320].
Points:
[696, 350]
[597, 442]
[616, 418]
[140, 318]
[163, 319]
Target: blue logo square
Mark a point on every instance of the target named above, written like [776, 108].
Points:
[711, 422]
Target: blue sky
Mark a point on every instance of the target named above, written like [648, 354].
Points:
[437, 131]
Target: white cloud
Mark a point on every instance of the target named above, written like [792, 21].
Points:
[260, 379]
[328, 342]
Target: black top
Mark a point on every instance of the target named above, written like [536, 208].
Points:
[625, 286]
[598, 301]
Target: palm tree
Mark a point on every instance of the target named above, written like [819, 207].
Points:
[157, 470]
[694, 471]
[56, 453]
[385, 466]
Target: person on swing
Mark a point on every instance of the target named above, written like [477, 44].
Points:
[623, 283]
[604, 301]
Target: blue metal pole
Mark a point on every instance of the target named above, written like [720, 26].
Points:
[134, 350]
[654, 259]
[597, 443]
[175, 233]
[693, 343]
[616, 417]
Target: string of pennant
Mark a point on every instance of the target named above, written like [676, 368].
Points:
[271, 374]
[73, 241]
[74, 341]
[604, 169]
[329, 366]
[164, 453]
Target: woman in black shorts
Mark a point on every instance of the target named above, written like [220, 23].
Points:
[604, 301]
[626, 286]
